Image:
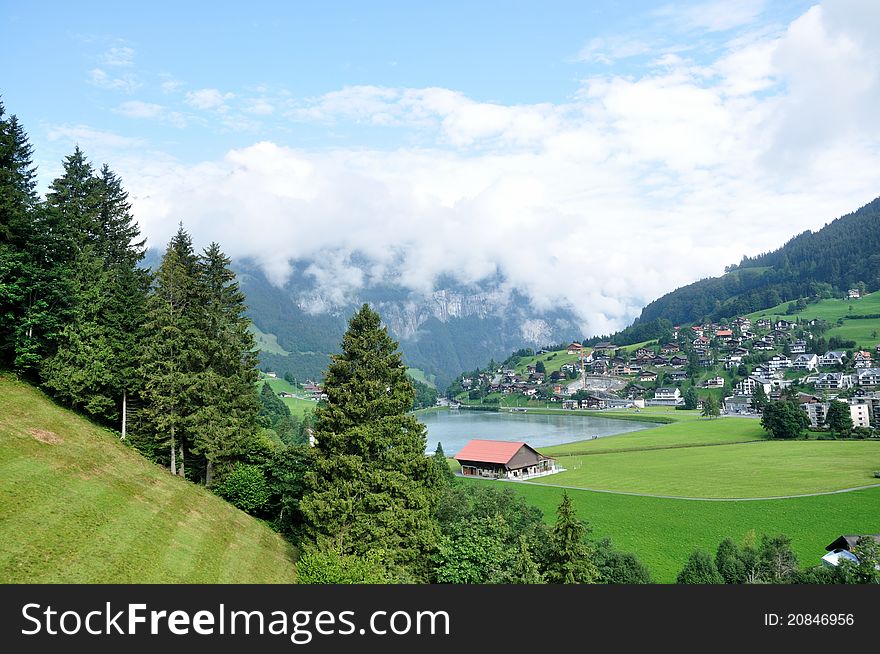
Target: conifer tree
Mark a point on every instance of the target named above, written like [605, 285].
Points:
[173, 348]
[569, 555]
[372, 485]
[524, 570]
[225, 418]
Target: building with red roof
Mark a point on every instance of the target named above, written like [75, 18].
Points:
[503, 460]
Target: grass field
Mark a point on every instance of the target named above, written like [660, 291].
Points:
[420, 376]
[267, 342]
[863, 331]
[762, 469]
[663, 532]
[553, 361]
[77, 506]
[299, 406]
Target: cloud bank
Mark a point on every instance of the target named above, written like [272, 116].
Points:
[634, 186]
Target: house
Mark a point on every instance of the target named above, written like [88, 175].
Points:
[666, 397]
[724, 333]
[798, 347]
[272, 375]
[777, 362]
[764, 344]
[678, 377]
[862, 359]
[833, 381]
[816, 412]
[783, 324]
[575, 348]
[648, 376]
[604, 346]
[635, 391]
[748, 385]
[503, 460]
[738, 404]
[805, 362]
[678, 362]
[853, 294]
[832, 359]
[763, 323]
[868, 377]
[285, 394]
[701, 341]
[715, 382]
[841, 549]
[669, 348]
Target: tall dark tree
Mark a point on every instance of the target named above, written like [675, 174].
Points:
[173, 351]
[759, 399]
[224, 419]
[699, 569]
[784, 420]
[839, 419]
[372, 485]
[569, 554]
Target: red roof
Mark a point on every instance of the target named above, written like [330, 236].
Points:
[489, 451]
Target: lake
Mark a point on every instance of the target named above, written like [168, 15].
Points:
[455, 428]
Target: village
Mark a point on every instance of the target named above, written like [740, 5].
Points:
[730, 361]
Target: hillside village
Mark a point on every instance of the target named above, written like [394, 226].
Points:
[740, 363]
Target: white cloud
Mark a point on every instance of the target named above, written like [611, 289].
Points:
[127, 83]
[89, 138]
[259, 107]
[715, 15]
[637, 185]
[148, 110]
[208, 99]
[607, 50]
[118, 56]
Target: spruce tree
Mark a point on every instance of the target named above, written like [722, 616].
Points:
[524, 570]
[224, 420]
[173, 349]
[444, 472]
[569, 554]
[699, 569]
[372, 485]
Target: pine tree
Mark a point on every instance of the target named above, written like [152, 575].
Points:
[569, 556]
[173, 348]
[524, 569]
[759, 399]
[444, 472]
[699, 569]
[372, 486]
[225, 419]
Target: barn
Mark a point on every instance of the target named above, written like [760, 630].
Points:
[503, 460]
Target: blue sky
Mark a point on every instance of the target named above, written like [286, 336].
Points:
[695, 132]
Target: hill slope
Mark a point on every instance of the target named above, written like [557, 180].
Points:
[77, 506]
[835, 258]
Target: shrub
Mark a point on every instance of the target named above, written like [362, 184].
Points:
[245, 487]
[328, 566]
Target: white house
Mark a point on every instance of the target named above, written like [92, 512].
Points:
[833, 381]
[799, 347]
[748, 385]
[777, 362]
[853, 294]
[832, 358]
[868, 377]
[715, 382]
[805, 362]
[666, 397]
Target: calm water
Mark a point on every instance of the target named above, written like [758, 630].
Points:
[455, 428]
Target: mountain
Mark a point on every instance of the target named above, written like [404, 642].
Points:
[842, 255]
[79, 506]
[454, 327]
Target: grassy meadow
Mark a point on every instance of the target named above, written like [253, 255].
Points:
[78, 506]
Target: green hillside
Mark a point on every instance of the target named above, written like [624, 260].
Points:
[77, 506]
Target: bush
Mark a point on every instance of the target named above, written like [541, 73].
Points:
[328, 566]
[826, 437]
[245, 487]
[877, 474]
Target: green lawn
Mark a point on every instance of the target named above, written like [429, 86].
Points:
[762, 469]
[77, 506]
[553, 361]
[662, 533]
[863, 332]
[420, 376]
[267, 342]
[299, 406]
[676, 435]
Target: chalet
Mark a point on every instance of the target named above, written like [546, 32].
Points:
[738, 404]
[853, 294]
[778, 336]
[805, 362]
[740, 352]
[568, 367]
[648, 376]
[503, 460]
[636, 391]
[762, 370]
[678, 377]
[697, 330]
[764, 344]
[832, 359]
[724, 333]
[644, 352]
[748, 385]
[833, 381]
[701, 341]
[669, 348]
[862, 359]
[660, 361]
[707, 361]
[604, 346]
[666, 397]
[715, 382]
[868, 377]
[778, 362]
[733, 342]
[783, 325]
[285, 394]
[763, 323]
[575, 348]
[798, 347]
[841, 549]
[599, 367]
[272, 375]
[678, 362]
[746, 334]
[531, 369]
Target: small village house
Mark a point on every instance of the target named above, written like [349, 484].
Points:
[503, 460]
